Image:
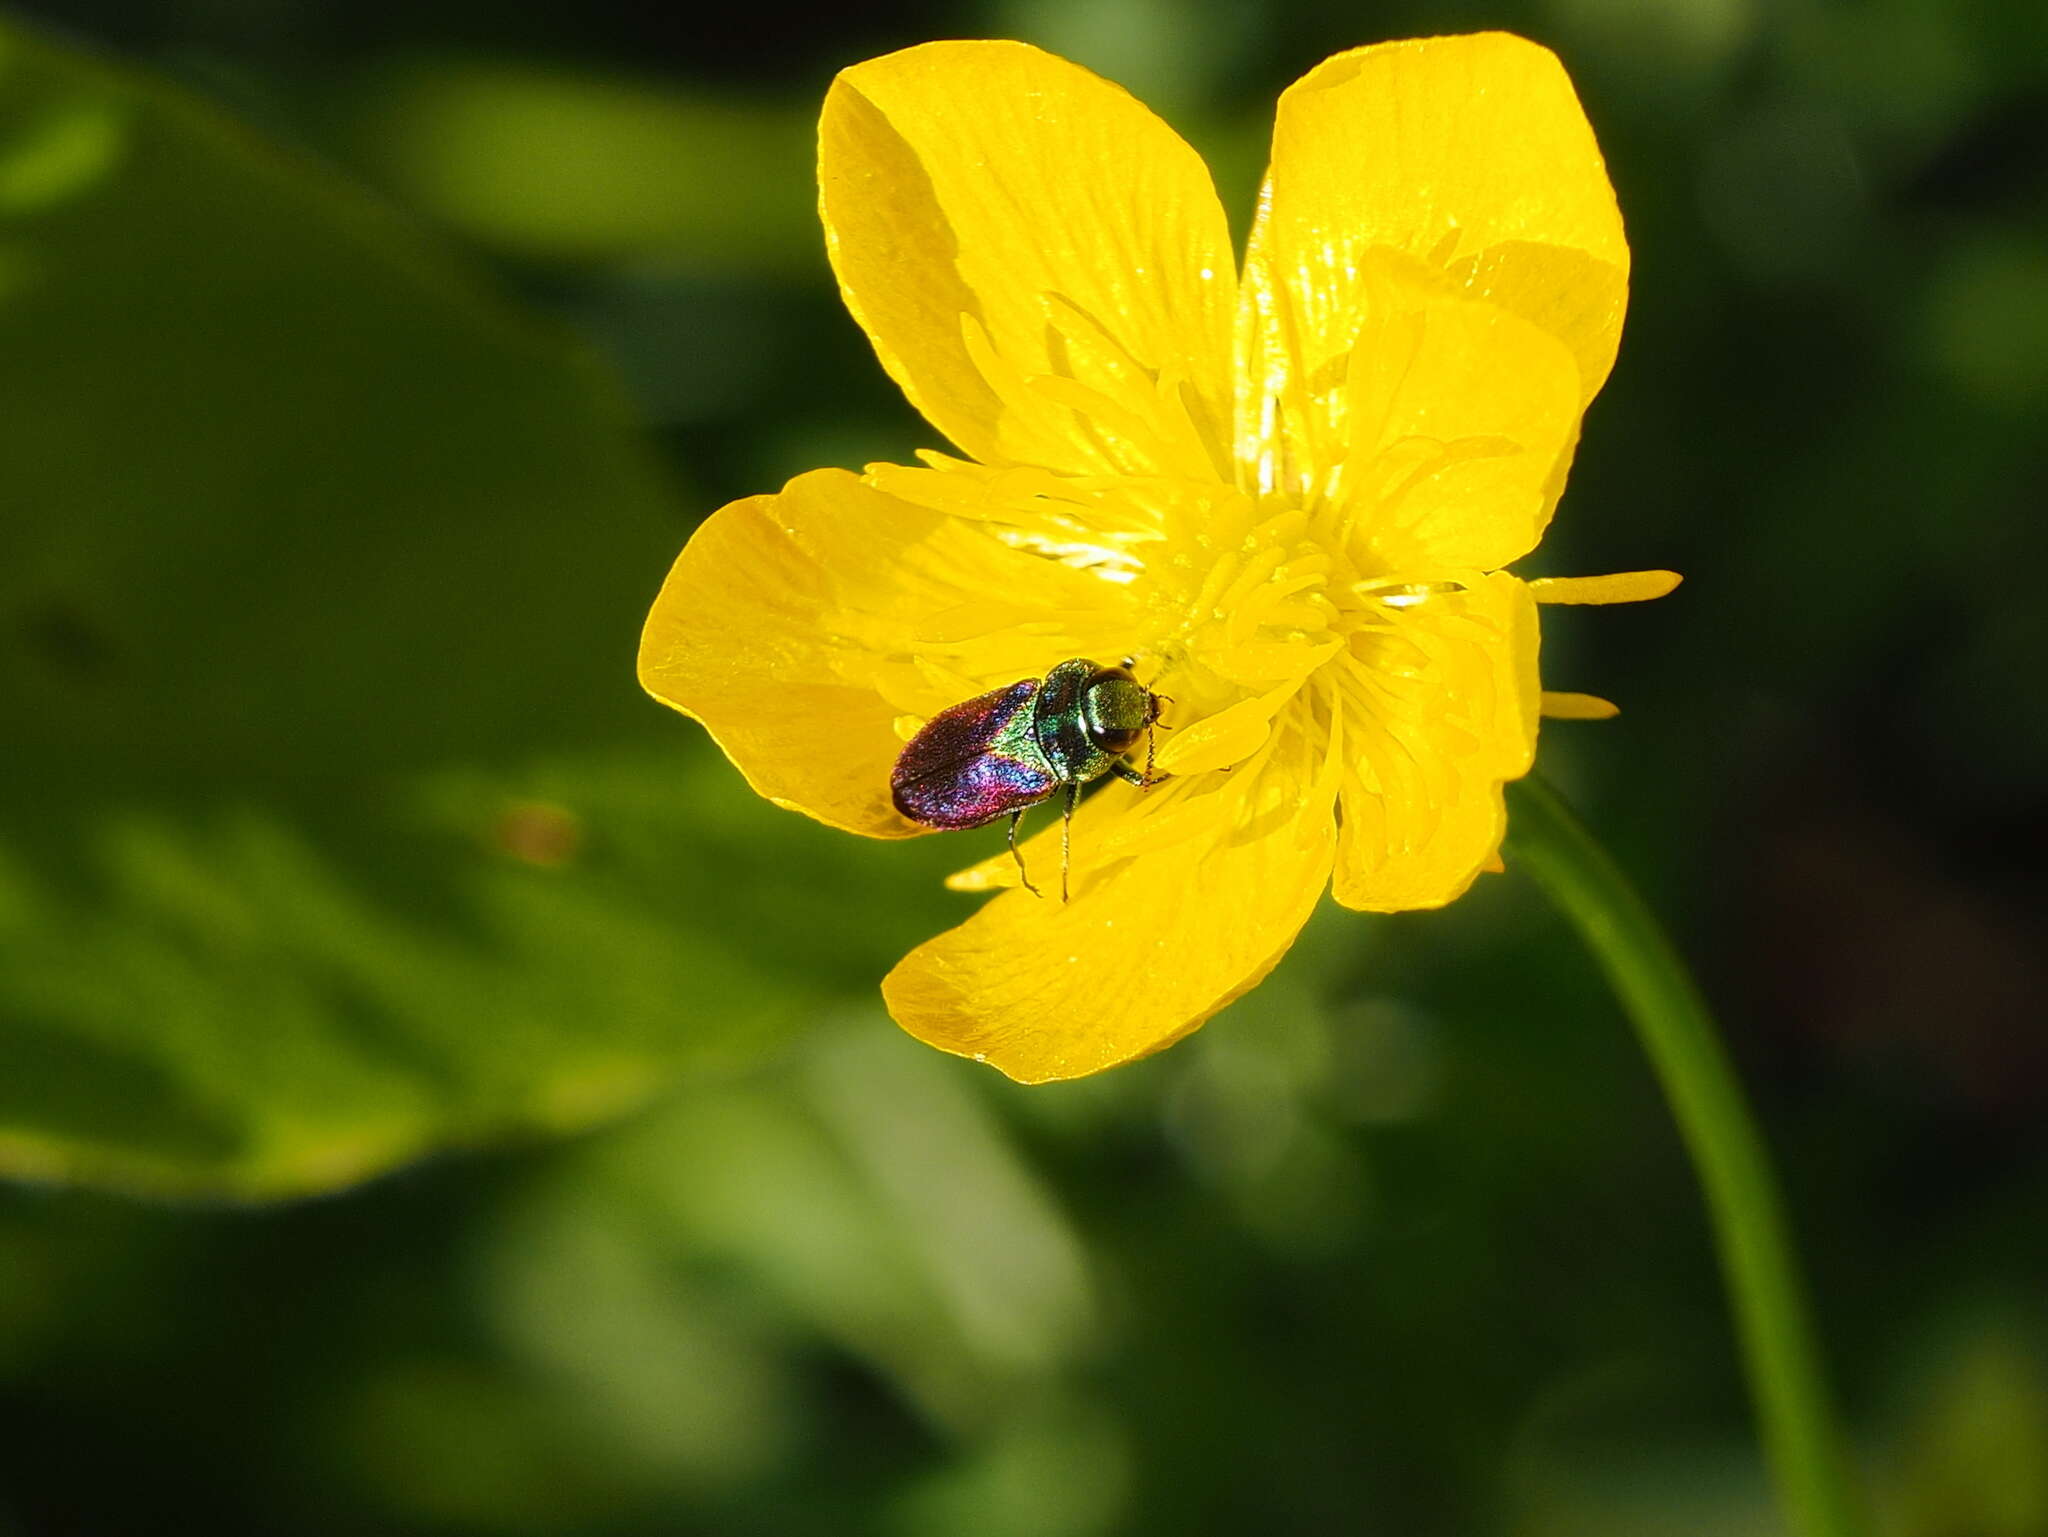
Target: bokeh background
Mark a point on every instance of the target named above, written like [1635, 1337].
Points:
[442, 1100]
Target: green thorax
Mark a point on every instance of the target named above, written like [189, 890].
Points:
[1086, 717]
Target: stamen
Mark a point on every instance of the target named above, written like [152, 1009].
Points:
[1621, 587]
[1329, 779]
[1558, 706]
[1392, 593]
[1147, 405]
[1100, 560]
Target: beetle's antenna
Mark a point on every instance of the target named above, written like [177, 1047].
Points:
[1067, 837]
[1017, 854]
[1152, 730]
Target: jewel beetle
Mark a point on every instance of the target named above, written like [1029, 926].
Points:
[1003, 752]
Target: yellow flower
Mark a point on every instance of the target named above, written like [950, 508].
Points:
[1289, 494]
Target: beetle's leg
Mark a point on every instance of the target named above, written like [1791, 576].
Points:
[1131, 776]
[1067, 837]
[1017, 854]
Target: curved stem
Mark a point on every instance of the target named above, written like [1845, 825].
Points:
[1786, 1383]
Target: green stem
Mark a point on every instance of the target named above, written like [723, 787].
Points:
[1805, 1451]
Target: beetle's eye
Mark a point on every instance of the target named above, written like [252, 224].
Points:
[1117, 710]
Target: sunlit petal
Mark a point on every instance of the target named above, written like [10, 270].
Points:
[1439, 708]
[1445, 430]
[1470, 155]
[1041, 263]
[799, 628]
[1160, 934]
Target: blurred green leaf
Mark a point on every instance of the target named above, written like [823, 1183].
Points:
[334, 827]
[553, 163]
[675, 1273]
[1967, 1455]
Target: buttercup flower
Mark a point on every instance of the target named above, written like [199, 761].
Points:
[1289, 495]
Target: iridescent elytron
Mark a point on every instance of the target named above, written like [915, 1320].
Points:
[1005, 751]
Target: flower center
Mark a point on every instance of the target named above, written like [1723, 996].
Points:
[1230, 601]
[1249, 603]
[1253, 599]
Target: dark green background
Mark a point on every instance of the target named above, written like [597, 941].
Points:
[361, 368]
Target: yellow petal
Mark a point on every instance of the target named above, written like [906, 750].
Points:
[1621, 587]
[1041, 849]
[1445, 440]
[1041, 263]
[1438, 710]
[1471, 154]
[1151, 945]
[800, 628]
[1405, 177]
[995, 873]
[1226, 738]
[1564, 706]
[1115, 822]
